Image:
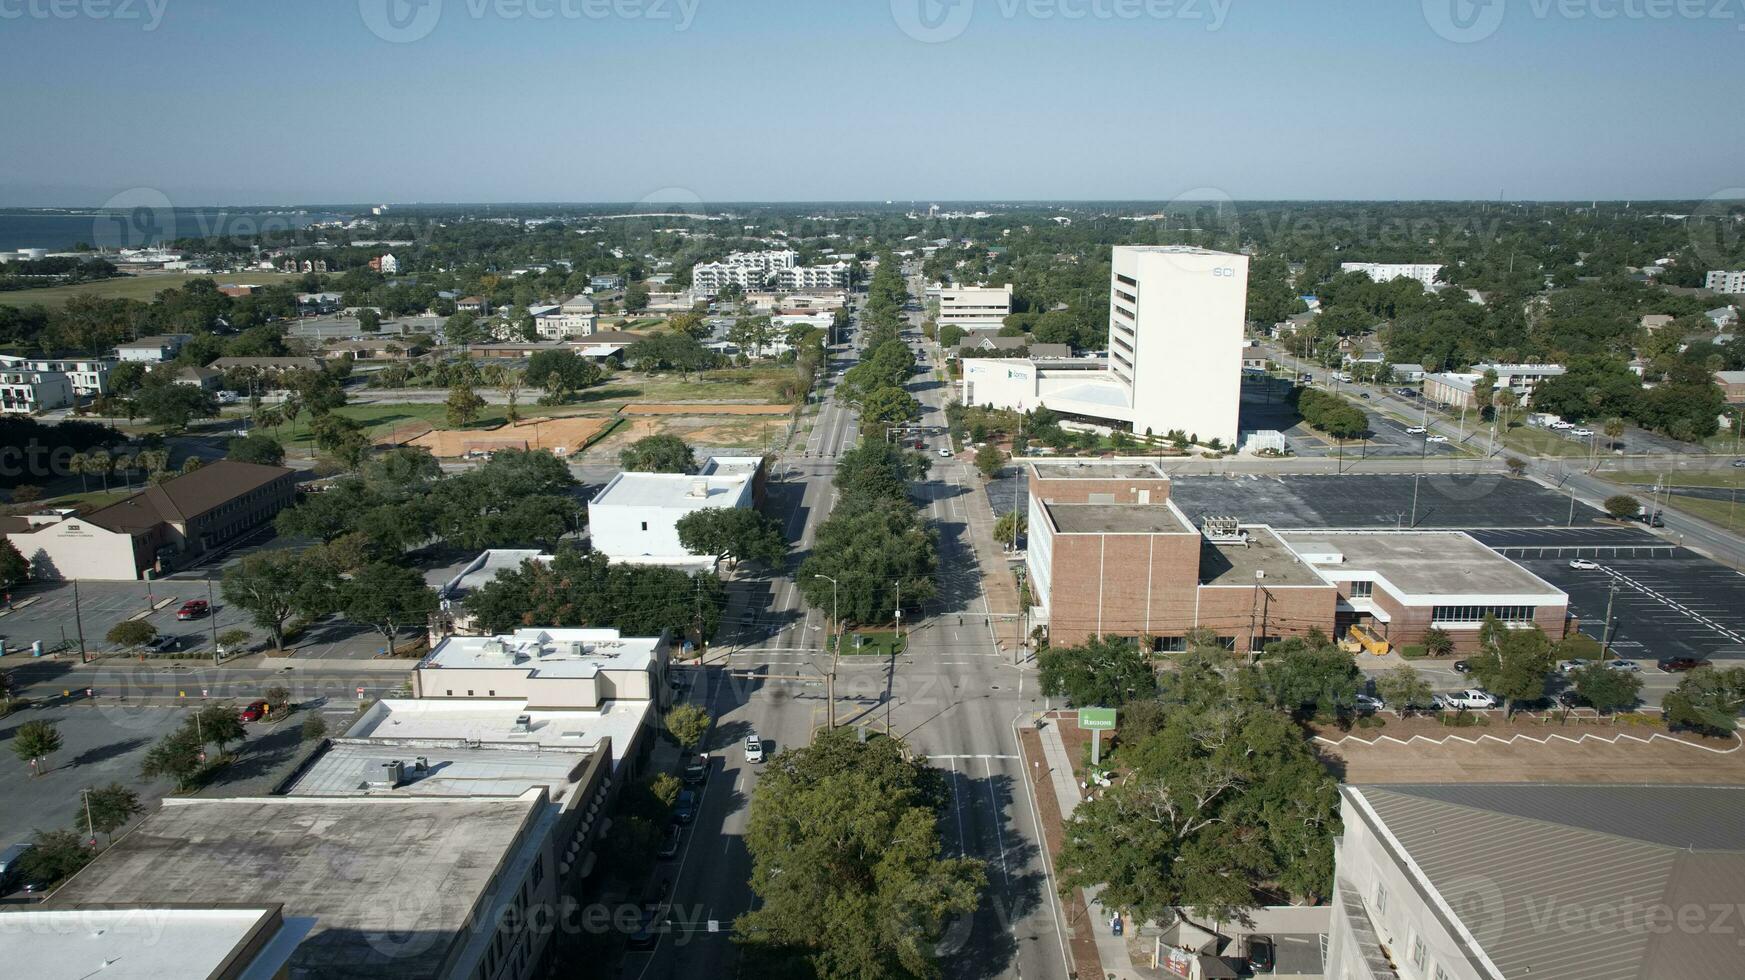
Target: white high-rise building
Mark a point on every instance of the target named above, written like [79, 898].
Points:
[1175, 350]
[1389, 271]
[1726, 282]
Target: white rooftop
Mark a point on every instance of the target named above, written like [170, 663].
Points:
[732, 465]
[672, 491]
[496, 722]
[481, 570]
[142, 943]
[546, 652]
[356, 767]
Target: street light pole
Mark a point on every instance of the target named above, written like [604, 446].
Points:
[836, 658]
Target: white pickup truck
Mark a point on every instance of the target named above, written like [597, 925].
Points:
[1471, 699]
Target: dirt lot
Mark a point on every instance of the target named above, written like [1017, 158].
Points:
[1529, 750]
[694, 408]
[565, 436]
[753, 432]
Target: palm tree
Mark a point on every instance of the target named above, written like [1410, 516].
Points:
[99, 461]
[1614, 430]
[271, 418]
[80, 463]
[154, 462]
[123, 464]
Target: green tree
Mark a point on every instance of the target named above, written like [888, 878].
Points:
[462, 329]
[108, 809]
[56, 855]
[177, 756]
[733, 533]
[314, 727]
[1403, 688]
[687, 723]
[878, 552]
[989, 461]
[847, 861]
[1321, 679]
[1223, 804]
[578, 588]
[658, 454]
[1605, 688]
[888, 406]
[665, 788]
[218, 725]
[1438, 642]
[272, 586]
[33, 742]
[1107, 671]
[1622, 506]
[1707, 699]
[387, 597]
[1614, 431]
[1514, 663]
[14, 567]
[131, 633]
[368, 320]
[877, 470]
[278, 698]
[463, 405]
[560, 374]
[256, 448]
[1011, 525]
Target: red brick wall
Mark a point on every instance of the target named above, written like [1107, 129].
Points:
[1230, 610]
[1410, 623]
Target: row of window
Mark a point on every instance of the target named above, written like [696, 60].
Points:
[1419, 953]
[1510, 615]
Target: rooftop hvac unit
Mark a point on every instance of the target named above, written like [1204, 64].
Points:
[523, 724]
[390, 776]
[699, 488]
[1223, 530]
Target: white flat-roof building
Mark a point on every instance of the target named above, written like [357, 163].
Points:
[89, 375]
[507, 723]
[1175, 350]
[972, 307]
[546, 667]
[150, 942]
[28, 392]
[152, 350]
[635, 517]
[1389, 271]
[1725, 282]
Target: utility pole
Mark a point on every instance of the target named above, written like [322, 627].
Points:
[212, 620]
[899, 584]
[79, 623]
[90, 826]
[1606, 640]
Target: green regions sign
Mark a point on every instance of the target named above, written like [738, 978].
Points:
[1097, 719]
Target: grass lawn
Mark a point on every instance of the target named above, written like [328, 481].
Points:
[1721, 513]
[754, 384]
[94, 498]
[880, 644]
[141, 288]
[1679, 478]
[1544, 442]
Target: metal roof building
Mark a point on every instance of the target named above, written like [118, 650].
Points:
[1569, 882]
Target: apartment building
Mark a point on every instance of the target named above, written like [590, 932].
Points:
[1726, 282]
[975, 307]
[88, 376]
[1468, 881]
[833, 275]
[1388, 271]
[747, 270]
[29, 392]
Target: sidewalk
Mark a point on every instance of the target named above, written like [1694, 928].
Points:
[998, 583]
[1111, 949]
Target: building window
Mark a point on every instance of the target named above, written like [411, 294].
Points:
[1441, 974]
[1381, 899]
[645, 525]
[1419, 954]
[1362, 590]
[1510, 615]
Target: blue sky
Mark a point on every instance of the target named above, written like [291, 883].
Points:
[298, 101]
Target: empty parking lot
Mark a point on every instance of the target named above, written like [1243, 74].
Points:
[1443, 500]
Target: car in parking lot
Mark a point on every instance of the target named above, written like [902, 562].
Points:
[1435, 438]
[648, 929]
[1627, 666]
[1363, 395]
[1369, 704]
[254, 711]
[1739, 462]
[1260, 955]
[1674, 664]
[1581, 433]
[753, 748]
[1462, 667]
[1416, 430]
[193, 609]
[1573, 664]
[685, 810]
[163, 643]
[1472, 699]
[1583, 564]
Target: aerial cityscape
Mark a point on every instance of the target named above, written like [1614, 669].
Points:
[1021, 503]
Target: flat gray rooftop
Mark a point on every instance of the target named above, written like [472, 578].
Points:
[390, 882]
[1421, 563]
[1116, 519]
[1081, 470]
[1235, 563]
[348, 767]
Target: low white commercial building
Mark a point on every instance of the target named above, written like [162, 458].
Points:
[1468, 881]
[28, 392]
[1726, 282]
[1389, 271]
[150, 940]
[1175, 351]
[973, 307]
[635, 517]
[89, 376]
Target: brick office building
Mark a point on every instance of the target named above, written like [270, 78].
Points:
[1111, 553]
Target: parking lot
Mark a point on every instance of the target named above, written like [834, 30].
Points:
[1444, 500]
[1676, 604]
[1265, 406]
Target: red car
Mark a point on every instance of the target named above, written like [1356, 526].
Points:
[255, 711]
[193, 609]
